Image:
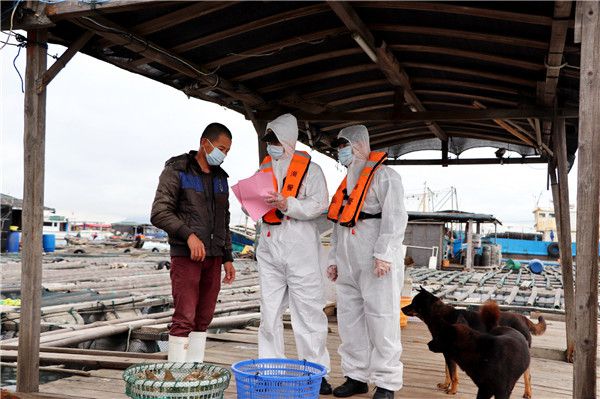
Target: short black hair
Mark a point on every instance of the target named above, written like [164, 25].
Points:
[215, 130]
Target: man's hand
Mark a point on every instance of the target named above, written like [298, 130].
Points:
[381, 267]
[229, 273]
[277, 200]
[197, 251]
[332, 273]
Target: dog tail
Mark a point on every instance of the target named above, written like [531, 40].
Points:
[536, 329]
[490, 314]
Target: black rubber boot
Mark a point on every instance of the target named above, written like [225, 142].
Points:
[349, 388]
[382, 393]
[325, 387]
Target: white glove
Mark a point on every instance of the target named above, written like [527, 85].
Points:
[381, 267]
[332, 273]
[277, 200]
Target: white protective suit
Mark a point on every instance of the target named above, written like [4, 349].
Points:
[288, 261]
[369, 307]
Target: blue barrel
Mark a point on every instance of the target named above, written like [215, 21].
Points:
[536, 266]
[13, 242]
[49, 242]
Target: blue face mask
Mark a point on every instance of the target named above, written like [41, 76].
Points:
[345, 155]
[275, 151]
[216, 156]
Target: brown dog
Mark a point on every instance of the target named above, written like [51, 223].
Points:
[431, 310]
[494, 360]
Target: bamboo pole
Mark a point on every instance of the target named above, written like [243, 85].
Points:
[34, 143]
[588, 191]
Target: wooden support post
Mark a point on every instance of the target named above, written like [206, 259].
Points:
[445, 153]
[469, 261]
[588, 191]
[33, 213]
[560, 193]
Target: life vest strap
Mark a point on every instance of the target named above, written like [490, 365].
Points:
[364, 215]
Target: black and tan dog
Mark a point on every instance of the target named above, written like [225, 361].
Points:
[431, 310]
[494, 360]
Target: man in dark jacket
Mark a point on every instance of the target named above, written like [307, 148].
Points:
[192, 206]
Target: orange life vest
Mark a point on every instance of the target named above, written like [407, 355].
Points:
[346, 209]
[291, 184]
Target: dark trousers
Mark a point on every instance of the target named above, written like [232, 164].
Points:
[195, 287]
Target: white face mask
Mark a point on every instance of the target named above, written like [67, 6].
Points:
[345, 155]
[275, 151]
[215, 157]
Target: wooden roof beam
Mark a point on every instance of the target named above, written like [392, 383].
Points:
[120, 36]
[554, 61]
[383, 57]
[466, 161]
[426, 116]
[72, 8]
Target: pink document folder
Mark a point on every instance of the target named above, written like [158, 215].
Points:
[251, 193]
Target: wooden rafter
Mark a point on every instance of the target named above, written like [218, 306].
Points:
[264, 51]
[386, 60]
[175, 18]
[466, 161]
[475, 55]
[460, 34]
[245, 28]
[503, 124]
[447, 8]
[120, 36]
[470, 72]
[319, 76]
[72, 8]
[295, 63]
[454, 115]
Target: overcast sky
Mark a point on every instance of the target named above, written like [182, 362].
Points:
[109, 133]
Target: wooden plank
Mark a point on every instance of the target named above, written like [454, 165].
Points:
[588, 192]
[455, 115]
[563, 219]
[33, 213]
[64, 59]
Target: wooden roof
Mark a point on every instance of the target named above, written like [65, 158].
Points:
[420, 75]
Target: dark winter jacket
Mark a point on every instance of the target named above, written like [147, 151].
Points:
[190, 201]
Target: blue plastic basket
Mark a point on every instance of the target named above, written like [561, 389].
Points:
[278, 379]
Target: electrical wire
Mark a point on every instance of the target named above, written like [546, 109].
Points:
[12, 17]
[150, 45]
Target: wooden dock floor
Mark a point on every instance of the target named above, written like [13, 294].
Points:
[422, 369]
